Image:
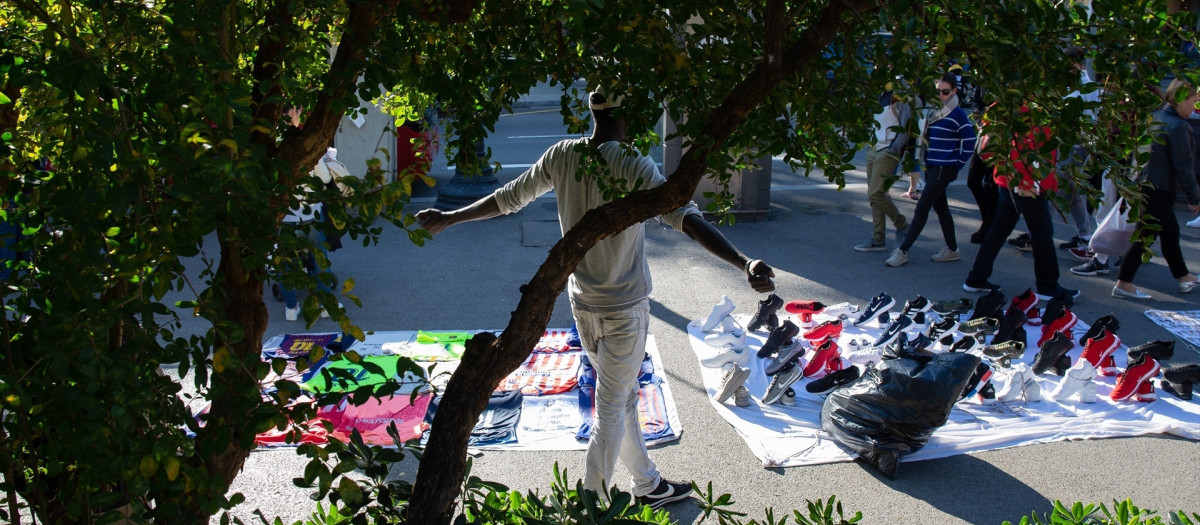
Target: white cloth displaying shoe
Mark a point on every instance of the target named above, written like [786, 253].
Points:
[719, 313]
[1079, 375]
[1022, 383]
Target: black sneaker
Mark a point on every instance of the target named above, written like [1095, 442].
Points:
[1107, 322]
[666, 492]
[980, 327]
[1021, 242]
[1090, 268]
[941, 328]
[916, 305]
[1009, 324]
[832, 381]
[1057, 307]
[990, 305]
[1179, 380]
[778, 338]
[1159, 350]
[953, 307]
[893, 330]
[766, 308]
[980, 287]
[881, 303]
[983, 374]
[1058, 293]
[1075, 242]
[1052, 350]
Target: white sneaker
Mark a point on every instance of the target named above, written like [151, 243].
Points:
[719, 313]
[733, 378]
[291, 314]
[1194, 223]
[897, 258]
[1022, 383]
[1087, 392]
[946, 255]
[841, 310]
[1080, 374]
[730, 339]
[325, 314]
[725, 355]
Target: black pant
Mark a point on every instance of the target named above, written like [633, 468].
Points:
[1160, 209]
[937, 178]
[1036, 211]
[983, 188]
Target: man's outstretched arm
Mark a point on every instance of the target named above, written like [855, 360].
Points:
[435, 220]
[758, 273]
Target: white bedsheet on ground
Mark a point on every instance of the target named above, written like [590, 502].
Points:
[789, 436]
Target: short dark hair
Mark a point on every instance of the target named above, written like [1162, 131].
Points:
[950, 78]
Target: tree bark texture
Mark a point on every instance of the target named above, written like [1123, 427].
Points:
[488, 360]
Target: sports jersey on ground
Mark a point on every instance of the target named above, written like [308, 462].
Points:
[298, 345]
[454, 342]
[497, 425]
[555, 341]
[544, 374]
[546, 419]
[312, 431]
[373, 417]
[359, 375]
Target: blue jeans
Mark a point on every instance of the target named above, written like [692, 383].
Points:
[615, 343]
[937, 178]
[310, 263]
[1036, 211]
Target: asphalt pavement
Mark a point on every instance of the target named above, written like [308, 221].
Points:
[469, 278]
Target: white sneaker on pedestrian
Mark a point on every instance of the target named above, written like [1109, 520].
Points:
[946, 255]
[325, 313]
[291, 314]
[897, 258]
[1194, 223]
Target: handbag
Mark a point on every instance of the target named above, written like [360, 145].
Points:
[1113, 235]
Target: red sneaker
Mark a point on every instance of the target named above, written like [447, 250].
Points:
[820, 362]
[1130, 381]
[1026, 302]
[828, 329]
[1063, 324]
[1101, 348]
[1145, 392]
[804, 309]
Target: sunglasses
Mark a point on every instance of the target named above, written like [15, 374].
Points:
[945, 91]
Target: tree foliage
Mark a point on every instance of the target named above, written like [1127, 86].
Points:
[164, 124]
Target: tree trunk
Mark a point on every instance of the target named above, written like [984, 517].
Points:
[486, 360]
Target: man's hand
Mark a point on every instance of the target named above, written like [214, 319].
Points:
[759, 275]
[432, 220]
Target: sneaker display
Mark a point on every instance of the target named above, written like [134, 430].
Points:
[946, 255]
[987, 394]
[833, 380]
[718, 314]
[725, 355]
[1091, 268]
[1056, 307]
[1179, 380]
[952, 307]
[1075, 242]
[666, 492]
[916, 305]
[860, 351]
[897, 258]
[291, 314]
[980, 327]
[1021, 384]
[780, 383]
[1021, 242]
[947, 326]
[880, 304]
[1108, 367]
[871, 245]
[1139, 371]
[1005, 352]
[983, 374]
[889, 334]
[824, 330]
[1056, 346]
[726, 339]
[733, 379]
[1098, 348]
[1106, 322]
[826, 358]
[1078, 375]
[766, 308]
[964, 345]
[778, 337]
[804, 309]
[789, 398]
[741, 397]
[1159, 350]
[1085, 254]
[1146, 393]
[990, 305]
[917, 344]
[787, 356]
[1087, 393]
[1063, 325]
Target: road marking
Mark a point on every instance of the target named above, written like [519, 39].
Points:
[542, 136]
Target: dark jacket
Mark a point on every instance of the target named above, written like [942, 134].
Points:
[1173, 156]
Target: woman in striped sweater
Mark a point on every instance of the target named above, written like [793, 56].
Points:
[948, 141]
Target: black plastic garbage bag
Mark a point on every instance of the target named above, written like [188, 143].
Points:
[896, 405]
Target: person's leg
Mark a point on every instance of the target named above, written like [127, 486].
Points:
[978, 181]
[1168, 237]
[924, 204]
[1036, 211]
[1132, 260]
[876, 196]
[938, 185]
[1002, 225]
[616, 345]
